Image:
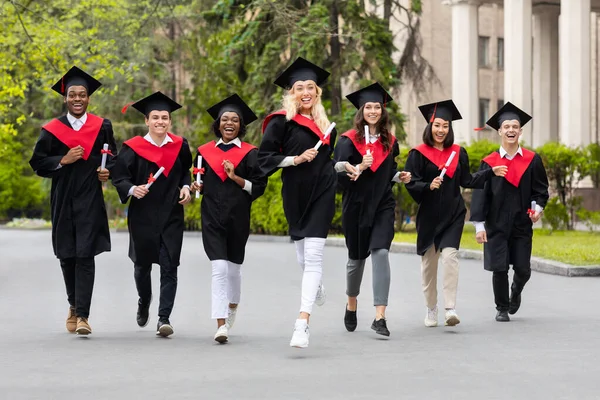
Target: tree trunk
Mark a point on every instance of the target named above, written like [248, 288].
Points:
[387, 11]
[334, 42]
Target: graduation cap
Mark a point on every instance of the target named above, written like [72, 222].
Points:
[237, 105]
[301, 70]
[76, 77]
[155, 102]
[508, 112]
[374, 93]
[445, 110]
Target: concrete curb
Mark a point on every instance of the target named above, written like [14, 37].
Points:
[537, 264]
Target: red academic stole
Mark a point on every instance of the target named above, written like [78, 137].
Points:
[214, 156]
[377, 149]
[300, 120]
[164, 156]
[85, 137]
[439, 158]
[516, 167]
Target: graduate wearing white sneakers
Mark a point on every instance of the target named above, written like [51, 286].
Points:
[309, 179]
[366, 166]
[230, 182]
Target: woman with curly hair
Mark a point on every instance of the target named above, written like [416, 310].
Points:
[290, 139]
[368, 201]
[230, 182]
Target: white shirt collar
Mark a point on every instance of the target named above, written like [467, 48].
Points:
[77, 123]
[503, 152]
[166, 140]
[235, 141]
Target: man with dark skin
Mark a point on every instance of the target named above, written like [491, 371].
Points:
[69, 151]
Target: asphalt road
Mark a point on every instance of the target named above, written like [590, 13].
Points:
[550, 350]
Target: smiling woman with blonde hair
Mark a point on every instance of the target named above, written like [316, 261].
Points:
[309, 180]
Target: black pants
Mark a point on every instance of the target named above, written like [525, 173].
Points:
[500, 285]
[79, 276]
[168, 282]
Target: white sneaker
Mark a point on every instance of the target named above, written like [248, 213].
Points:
[431, 319]
[230, 317]
[301, 334]
[221, 335]
[321, 296]
[452, 317]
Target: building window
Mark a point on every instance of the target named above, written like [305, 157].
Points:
[484, 111]
[484, 51]
[500, 53]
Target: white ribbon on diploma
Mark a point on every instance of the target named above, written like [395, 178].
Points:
[155, 177]
[447, 164]
[325, 135]
[198, 178]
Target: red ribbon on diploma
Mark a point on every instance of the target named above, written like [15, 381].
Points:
[530, 212]
[151, 178]
[102, 151]
[198, 171]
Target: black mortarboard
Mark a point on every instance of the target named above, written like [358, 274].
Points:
[301, 70]
[155, 102]
[76, 77]
[233, 103]
[445, 110]
[374, 93]
[508, 112]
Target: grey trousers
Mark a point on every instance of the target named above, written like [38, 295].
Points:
[381, 276]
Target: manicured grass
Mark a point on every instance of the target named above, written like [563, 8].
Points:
[571, 247]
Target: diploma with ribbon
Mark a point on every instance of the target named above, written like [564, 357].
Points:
[325, 135]
[154, 177]
[198, 171]
[531, 211]
[447, 164]
[105, 151]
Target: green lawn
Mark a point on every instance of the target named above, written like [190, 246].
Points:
[572, 247]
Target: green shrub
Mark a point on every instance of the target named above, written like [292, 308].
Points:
[591, 219]
[555, 215]
[478, 150]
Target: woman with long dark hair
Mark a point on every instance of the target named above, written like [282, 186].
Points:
[439, 169]
[230, 182]
[368, 201]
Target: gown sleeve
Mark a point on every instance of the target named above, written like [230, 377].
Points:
[270, 152]
[480, 199]
[418, 185]
[468, 180]
[43, 162]
[539, 182]
[123, 172]
[185, 156]
[342, 153]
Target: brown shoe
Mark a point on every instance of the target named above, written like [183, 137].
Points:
[83, 328]
[71, 320]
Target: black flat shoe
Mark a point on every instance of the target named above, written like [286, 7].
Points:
[143, 313]
[502, 316]
[380, 327]
[515, 301]
[350, 321]
[164, 328]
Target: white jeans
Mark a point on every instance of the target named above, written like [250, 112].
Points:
[309, 252]
[226, 286]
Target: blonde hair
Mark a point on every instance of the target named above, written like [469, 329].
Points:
[291, 107]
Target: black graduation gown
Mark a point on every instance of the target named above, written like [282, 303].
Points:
[368, 203]
[79, 220]
[503, 206]
[441, 213]
[158, 216]
[225, 207]
[308, 189]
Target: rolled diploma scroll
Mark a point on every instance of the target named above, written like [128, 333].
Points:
[158, 173]
[104, 154]
[325, 135]
[198, 178]
[367, 139]
[447, 164]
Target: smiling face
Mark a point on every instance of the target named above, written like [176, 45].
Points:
[229, 126]
[305, 93]
[439, 131]
[510, 131]
[372, 113]
[158, 122]
[77, 100]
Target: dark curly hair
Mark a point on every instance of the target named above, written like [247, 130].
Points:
[382, 127]
[217, 123]
[428, 136]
